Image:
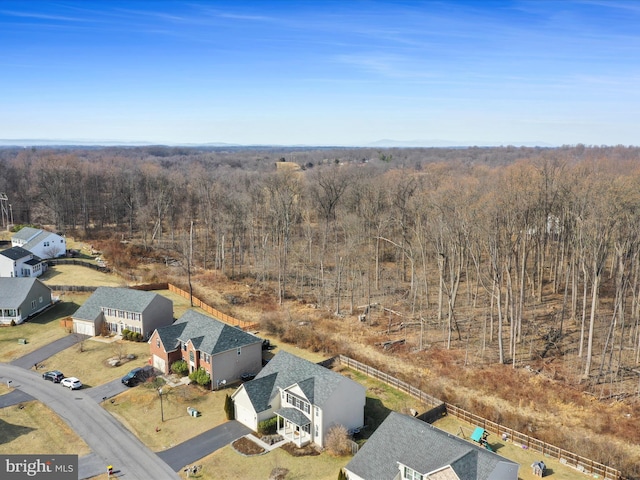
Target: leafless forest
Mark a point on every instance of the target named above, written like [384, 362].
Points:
[526, 257]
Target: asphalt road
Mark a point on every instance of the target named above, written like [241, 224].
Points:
[110, 441]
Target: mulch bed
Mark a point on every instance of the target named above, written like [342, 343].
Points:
[308, 450]
[246, 447]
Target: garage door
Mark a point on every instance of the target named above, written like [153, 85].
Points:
[159, 363]
[245, 416]
[84, 328]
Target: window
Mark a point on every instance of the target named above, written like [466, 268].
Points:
[317, 411]
[239, 350]
[158, 341]
[298, 403]
[410, 474]
[184, 347]
[120, 313]
[33, 304]
[40, 299]
[46, 244]
[317, 431]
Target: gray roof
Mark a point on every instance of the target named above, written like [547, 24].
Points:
[293, 415]
[26, 233]
[424, 448]
[207, 334]
[40, 237]
[16, 253]
[285, 370]
[13, 291]
[127, 299]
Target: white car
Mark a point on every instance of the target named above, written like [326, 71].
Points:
[72, 382]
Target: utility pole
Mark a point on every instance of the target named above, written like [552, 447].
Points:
[4, 212]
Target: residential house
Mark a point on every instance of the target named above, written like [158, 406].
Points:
[406, 448]
[306, 398]
[22, 298]
[40, 242]
[114, 309]
[18, 262]
[224, 351]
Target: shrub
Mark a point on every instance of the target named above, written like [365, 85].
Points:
[228, 408]
[13, 323]
[200, 376]
[138, 336]
[338, 440]
[180, 367]
[126, 334]
[268, 427]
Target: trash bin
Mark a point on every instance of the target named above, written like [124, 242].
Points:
[193, 412]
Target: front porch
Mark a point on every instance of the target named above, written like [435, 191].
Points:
[294, 426]
[8, 315]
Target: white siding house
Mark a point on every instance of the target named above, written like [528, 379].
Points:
[18, 262]
[306, 398]
[40, 242]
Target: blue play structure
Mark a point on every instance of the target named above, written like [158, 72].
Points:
[480, 435]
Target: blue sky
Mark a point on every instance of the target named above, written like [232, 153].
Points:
[321, 72]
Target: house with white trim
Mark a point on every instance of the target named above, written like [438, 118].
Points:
[406, 448]
[18, 262]
[40, 242]
[114, 309]
[22, 298]
[225, 352]
[306, 398]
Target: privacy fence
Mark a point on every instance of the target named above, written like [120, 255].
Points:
[578, 462]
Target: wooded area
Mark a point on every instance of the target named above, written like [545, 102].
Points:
[401, 228]
[526, 257]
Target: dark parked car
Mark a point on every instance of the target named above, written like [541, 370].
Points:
[134, 377]
[54, 375]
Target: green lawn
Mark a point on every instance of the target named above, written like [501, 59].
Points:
[40, 330]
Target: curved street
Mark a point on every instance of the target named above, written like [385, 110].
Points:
[110, 442]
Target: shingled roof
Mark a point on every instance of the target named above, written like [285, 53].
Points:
[126, 299]
[26, 233]
[16, 253]
[13, 291]
[207, 334]
[285, 370]
[425, 449]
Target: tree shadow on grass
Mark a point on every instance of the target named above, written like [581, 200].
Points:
[9, 432]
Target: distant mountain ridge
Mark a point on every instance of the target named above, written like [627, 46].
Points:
[383, 143]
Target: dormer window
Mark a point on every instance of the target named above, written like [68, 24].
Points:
[410, 474]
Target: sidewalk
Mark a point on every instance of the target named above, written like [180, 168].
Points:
[264, 445]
